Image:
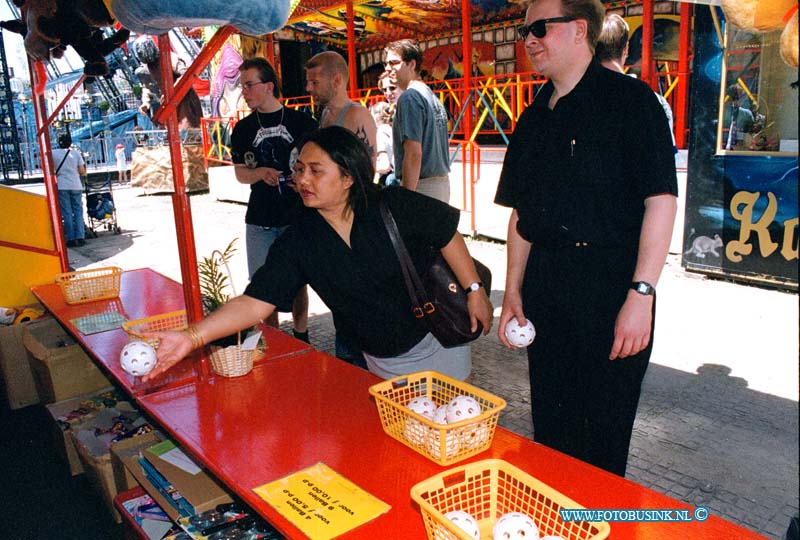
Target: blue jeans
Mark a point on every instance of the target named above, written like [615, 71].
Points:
[71, 202]
[258, 240]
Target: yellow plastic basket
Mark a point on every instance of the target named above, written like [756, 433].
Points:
[443, 443]
[490, 488]
[90, 285]
[174, 320]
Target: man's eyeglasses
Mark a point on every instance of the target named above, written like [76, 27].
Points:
[539, 28]
[392, 63]
[250, 85]
[389, 89]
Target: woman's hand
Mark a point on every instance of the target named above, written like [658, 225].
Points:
[480, 309]
[172, 348]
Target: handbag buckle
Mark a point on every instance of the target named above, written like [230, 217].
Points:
[429, 308]
[418, 313]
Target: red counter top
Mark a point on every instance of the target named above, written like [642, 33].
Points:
[291, 413]
[299, 407]
[144, 293]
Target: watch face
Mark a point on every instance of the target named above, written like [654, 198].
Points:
[643, 288]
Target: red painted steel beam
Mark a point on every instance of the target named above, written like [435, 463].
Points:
[647, 43]
[32, 249]
[682, 96]
[187, 80]
[352, 59]
[48, 171]
[61, 105]
[466, 32]
[270, 49]
[181, 206]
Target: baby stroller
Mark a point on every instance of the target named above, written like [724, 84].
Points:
[100, 206]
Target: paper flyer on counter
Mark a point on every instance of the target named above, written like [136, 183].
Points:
[321, 502]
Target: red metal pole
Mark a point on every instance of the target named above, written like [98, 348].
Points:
[187, 79]
[271, 51]
[647, 43]
[466, 33]
[682, 97]
[46, 157]
[466, 51]
[181, 206]
[352, 59]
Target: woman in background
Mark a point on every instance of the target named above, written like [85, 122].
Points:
[69, 169]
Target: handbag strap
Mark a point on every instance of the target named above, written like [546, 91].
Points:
[413, 283]
[62, 161]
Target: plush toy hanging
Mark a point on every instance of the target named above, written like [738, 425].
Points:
[149, 73]
[49, 26]
[766, 16]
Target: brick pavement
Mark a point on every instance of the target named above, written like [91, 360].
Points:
[717, 422]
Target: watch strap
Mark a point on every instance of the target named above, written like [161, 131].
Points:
[474, 286]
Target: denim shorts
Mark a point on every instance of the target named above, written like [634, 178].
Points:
[258, 241]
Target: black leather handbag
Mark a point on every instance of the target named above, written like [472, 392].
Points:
[438, 298]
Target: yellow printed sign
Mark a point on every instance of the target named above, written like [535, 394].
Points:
[321, 502]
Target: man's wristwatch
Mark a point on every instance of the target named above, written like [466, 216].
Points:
[473, 287]
[642, 287]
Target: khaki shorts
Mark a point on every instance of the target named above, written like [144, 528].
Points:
[437, 187]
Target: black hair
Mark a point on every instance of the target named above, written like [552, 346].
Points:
[266, 73]
[64, 140]
[352, 157]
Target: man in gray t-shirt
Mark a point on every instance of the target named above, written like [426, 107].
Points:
[420, 125]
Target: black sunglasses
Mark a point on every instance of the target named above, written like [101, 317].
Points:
[539, 28]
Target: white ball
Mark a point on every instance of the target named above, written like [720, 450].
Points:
[515, 526]
[451, 447]
[423, 405]
[416, 432]
[440, 416]
[462, 408]
[474, 436]
[138, 358]
[520, 336]
[465, 522]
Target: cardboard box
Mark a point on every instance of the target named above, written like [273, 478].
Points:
[202, 491]
[15, 368]
[128, 458]
[123, 475]
[61, 369]
[100, 470]
[64, 414]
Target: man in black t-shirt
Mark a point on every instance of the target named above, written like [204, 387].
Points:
[263, 147]
[590, 175]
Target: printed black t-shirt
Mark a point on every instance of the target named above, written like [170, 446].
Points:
[270, 140]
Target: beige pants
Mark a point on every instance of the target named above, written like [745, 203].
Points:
[437, 187]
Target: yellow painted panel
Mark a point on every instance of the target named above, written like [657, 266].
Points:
[25, 219]
[20, 270]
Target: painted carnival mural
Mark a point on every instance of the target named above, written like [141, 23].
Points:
[742, 196]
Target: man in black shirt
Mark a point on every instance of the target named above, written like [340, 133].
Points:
[590, 175]
[262, 147]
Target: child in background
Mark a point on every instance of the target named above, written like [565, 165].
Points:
[119, 154]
